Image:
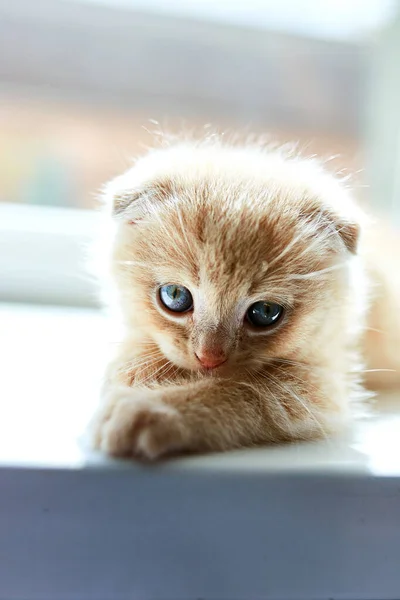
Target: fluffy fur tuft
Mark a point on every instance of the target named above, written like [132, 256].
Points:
[234, 225]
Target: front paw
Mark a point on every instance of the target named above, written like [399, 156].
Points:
[140, 427]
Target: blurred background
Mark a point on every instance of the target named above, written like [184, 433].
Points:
[86, 85]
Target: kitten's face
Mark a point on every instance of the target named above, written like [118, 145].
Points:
[221, 276]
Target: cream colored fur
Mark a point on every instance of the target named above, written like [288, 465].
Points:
[236, 225]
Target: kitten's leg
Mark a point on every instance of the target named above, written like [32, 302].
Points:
[210, 414]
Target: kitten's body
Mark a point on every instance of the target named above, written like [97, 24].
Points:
[381, 340]
[234, 226]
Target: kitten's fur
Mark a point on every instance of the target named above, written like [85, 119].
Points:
[234, 225]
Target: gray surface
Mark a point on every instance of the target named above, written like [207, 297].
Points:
[305, 522]
[147, 534]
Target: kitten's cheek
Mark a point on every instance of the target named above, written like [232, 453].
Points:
[178, 358]
[180, 361]
[173, 354]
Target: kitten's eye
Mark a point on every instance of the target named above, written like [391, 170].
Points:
[264, 314]
[176, 297]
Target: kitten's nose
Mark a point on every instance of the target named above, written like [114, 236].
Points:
[211, 360]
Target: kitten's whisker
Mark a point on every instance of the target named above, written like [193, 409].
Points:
[315, 367]
[172, 368]
[154, 350]
[287, 249]
[169, 367]
[288, 361]
[143, 363]
[144, 359]
[317, 242]
[144, 355]
[152, 377]
[308, 384]
[301, 236]
[136, 364]
[288, 425]
[132, 263]
[379, 371]
[301, 402]
[295, 363]
[316, 273]
[251, 387]
[170, 372]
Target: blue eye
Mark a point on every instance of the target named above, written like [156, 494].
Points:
[264, 314]
[176, 298]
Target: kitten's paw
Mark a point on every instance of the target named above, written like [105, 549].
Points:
[139, 427]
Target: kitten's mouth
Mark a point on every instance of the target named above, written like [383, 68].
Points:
[223, 370]
[210, 363]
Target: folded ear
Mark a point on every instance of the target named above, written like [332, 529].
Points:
[131, 200]
[333, 227]
[328, 206]
[122, 200]
[349, 233]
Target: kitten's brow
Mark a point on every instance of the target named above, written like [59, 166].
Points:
[287, 249]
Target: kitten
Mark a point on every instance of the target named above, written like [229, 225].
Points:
[243, 298]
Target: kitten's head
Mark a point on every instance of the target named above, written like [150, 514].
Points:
[229, 257]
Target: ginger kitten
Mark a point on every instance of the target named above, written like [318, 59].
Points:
[243, 298]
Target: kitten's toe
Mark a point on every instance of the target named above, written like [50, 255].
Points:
[97, 425]
[142, 429]
[163, 434]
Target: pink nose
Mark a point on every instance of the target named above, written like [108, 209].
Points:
[211, 361]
